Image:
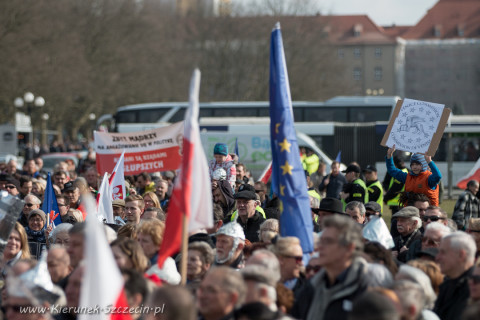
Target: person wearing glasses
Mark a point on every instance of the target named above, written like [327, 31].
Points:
[290, 255]
[456, 258]
[427, 246]
[31, 202]
[434, 214]
[12, 186]
[343, 278]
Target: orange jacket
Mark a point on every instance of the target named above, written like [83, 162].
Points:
[419, 184]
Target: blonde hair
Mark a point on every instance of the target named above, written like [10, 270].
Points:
[154, 228]
[154, 197]
[77, 214]
[283, 245]
[23, 240]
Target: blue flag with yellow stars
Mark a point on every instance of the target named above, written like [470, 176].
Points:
[288, 177]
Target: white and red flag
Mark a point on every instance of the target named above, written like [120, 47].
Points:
[103, 285]
[104, 202]
[117, 180]
[192, 194]
[473, 174]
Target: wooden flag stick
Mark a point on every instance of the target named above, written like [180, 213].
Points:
[184, 250]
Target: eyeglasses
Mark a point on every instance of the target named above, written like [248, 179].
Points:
[313, 268]
[432, 218]
[470, 230]
[10, 187]
[258, 191]
[315, 210]
[298, 259]
[29, 205]
[368, 214]
[475, 278]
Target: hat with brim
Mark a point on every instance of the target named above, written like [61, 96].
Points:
[374, 206]
[407, 212]
[248, 195]
[118, 203]
[331, 205]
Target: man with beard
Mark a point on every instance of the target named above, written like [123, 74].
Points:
[333, 183]
[408, 226]
[230, 243]
[223, 195]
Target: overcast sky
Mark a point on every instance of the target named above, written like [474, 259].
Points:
[382, 12]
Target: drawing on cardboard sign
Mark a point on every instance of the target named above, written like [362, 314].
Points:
[415, 125]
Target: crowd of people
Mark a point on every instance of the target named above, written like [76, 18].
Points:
[241, 267]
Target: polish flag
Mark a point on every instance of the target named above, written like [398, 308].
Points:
[117, 180]
[266, 174]
[103, 286]
[104, 202]
[186, 201]
[473, 174]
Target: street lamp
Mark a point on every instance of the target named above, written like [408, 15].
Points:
[92, 118]
[45, 118]
[30, 101]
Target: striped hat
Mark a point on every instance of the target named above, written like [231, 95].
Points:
[419, 158]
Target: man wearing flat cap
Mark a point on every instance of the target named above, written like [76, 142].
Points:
[408, 226]
[355, 189]
[248, 216]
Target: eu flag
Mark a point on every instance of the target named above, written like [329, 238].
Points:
[50, 203]
[288, 177]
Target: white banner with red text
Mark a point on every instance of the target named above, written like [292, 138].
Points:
[145, 151]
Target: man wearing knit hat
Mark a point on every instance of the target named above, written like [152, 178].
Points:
[419, 179]
[223, 160]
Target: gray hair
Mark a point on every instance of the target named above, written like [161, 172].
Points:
[410, 293]
[462, 241]
[419, 222]
[356, 204]
[438, 227]
[421, 278]
[231, 281]
[379, 276]
[34, 198]
[268, 260]
[349, 232]
[62, 227]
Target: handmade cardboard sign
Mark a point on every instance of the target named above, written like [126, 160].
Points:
[416, 126]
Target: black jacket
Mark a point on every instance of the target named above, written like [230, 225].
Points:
[453, 297]
[252, 226]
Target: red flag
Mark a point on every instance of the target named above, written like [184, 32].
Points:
[267, 172]
[184, 202]
[473, 174]
[117, 180]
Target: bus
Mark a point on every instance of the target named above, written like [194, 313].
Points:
[139, 117]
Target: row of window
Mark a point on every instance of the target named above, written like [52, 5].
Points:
[377, 73]
[357, 53]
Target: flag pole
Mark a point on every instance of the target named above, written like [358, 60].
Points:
[184, 250]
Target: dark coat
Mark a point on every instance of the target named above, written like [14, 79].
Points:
[252, 226]
[453, 297]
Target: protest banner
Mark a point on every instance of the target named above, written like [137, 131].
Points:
[416, 126]
[145, 151]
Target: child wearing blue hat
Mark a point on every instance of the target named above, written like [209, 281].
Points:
[223, 160]
[423, 176]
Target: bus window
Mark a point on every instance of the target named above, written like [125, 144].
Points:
[178, 116]
[338, 114]
[362, 114]
[126, 117]
[205, 112]
[151, 115]
[235, 112]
